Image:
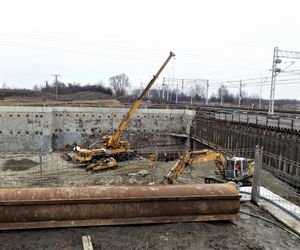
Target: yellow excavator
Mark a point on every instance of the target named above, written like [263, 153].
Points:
[112, 146]
[237, 169]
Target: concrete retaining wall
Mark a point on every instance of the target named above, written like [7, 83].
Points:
[27, 129]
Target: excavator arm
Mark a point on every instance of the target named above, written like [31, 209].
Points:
[178, 169]
[195, 157]
[114, 140]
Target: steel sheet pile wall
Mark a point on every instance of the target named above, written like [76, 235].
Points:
[108, 205]
[224, 134]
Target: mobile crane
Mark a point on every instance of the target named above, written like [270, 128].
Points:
[112, 146]
[237, 169]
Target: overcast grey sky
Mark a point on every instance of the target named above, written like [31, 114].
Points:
[88, 41]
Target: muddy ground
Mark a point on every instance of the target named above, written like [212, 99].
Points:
[52, 170]
[247, 233]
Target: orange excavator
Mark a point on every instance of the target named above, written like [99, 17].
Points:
[237, 169]
[112, 145]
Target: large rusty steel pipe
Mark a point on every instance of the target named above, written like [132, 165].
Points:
[22, 208]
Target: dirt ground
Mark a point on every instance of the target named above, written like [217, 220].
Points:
[52, 170]
[247, 233]
[41, 102]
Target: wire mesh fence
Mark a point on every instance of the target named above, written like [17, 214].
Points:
[33, 170]
[146, 167]
[280, 182]
[273, 188]
[279, 176]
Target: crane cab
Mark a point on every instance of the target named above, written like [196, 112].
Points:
[236, 167]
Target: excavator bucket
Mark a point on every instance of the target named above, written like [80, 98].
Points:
[66, 157]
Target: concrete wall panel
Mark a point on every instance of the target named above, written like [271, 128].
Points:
[28, 129]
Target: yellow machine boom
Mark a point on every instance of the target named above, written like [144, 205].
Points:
[198, 157]
[111, 145]
[195, 157]
[114, 140]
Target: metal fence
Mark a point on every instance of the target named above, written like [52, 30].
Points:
[272, 187]
[96, 103]
[20, 170]
[281, 122]
[23, 170]
[280, 177]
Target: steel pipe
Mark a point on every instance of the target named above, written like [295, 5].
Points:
[22, 208]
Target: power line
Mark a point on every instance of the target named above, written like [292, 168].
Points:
[56, 85]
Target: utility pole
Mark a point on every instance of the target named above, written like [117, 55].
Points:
[168, 89]
[56, 85]
[148, 94]
[168, 92]
[275, 72]
[173, 73]
[240, 96]
[177, 93]
[192, 92]
[182, 85]
[207, 85]
[163, 89]
[221, 101]
[277, 55]
[259, 104]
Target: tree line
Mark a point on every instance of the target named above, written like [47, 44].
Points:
[72, 88]
[120, 84]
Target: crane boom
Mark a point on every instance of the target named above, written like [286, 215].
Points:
[112, 146]
[113, 141]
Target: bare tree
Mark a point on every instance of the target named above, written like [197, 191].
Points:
[36, 88]
[4, 86]
[198, 92]
[227, 95]
[119, 84]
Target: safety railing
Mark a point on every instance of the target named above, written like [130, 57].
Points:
[281, 122]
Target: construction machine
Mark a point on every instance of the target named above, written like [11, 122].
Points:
[102, 164]
[236, 169]
[112, 146]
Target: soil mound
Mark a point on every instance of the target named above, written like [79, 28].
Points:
[19, 165]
